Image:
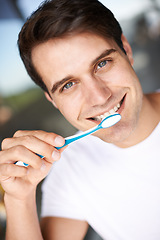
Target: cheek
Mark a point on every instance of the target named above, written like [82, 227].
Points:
[121, 74]
[69, 109]
[125, 75]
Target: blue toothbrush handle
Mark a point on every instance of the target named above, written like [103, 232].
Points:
[73, 138]
[68, 140]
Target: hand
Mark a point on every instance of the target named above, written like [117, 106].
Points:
[17, 181]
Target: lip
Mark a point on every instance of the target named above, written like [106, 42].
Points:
[118, 111]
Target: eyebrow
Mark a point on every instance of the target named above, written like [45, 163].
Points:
[102, 55]
[59, 83]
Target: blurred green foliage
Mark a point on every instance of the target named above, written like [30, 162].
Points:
[19, 101]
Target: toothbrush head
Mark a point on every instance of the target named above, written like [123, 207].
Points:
[110, 120]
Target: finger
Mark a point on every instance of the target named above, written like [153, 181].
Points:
[20, 153]
[35, 176]
[50, 138]
[34, 145]
[11, 170]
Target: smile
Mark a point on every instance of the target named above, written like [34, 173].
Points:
[110, 112]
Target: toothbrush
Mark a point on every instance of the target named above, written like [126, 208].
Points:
[105, 123]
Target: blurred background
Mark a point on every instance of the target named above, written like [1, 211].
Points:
[23, 105]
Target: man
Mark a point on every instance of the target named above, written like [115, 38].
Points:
[75, 50]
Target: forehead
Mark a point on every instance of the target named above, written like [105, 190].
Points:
[60, 57]
[81, 40]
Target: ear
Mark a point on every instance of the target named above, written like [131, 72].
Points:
[50, 99]
[127, 48]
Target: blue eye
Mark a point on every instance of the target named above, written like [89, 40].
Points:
[101, 64]
[68, 85]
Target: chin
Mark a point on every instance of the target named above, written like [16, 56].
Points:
[117, 134]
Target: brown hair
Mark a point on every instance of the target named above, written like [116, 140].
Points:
[59, 18]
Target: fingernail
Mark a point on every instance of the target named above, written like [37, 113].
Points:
[56, 155]
[59, 140]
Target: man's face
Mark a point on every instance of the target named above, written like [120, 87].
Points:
[89, 77]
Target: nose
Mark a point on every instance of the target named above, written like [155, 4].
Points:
[96, 91]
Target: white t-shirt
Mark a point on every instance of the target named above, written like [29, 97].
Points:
[117, 191]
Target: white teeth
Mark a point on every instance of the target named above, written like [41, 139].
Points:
[115, 108]
[106, 114]
[98, 118]
[112, 111]
[118, 105]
